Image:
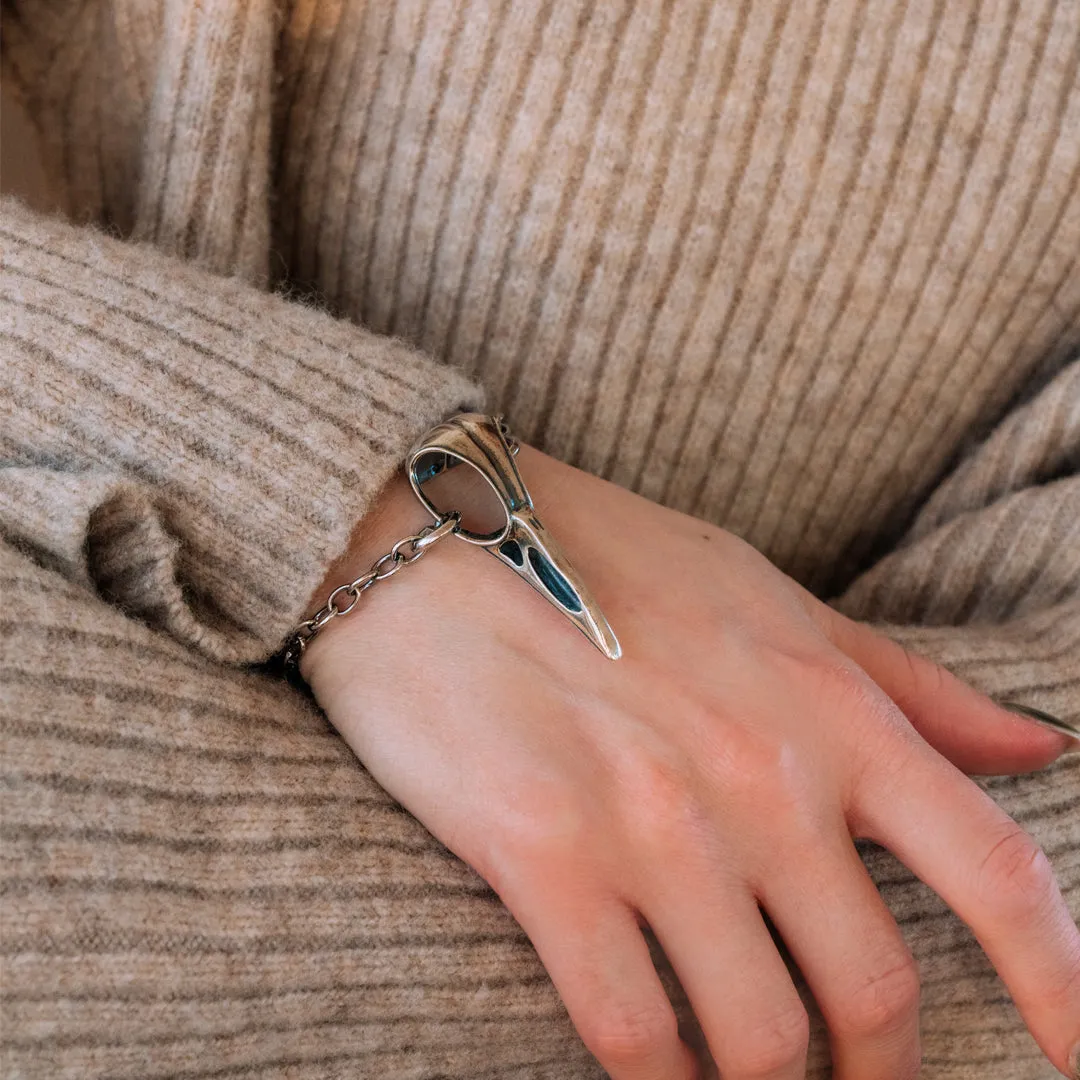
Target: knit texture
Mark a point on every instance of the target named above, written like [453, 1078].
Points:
[807, 271]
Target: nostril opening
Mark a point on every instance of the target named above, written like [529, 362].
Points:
[512, 550]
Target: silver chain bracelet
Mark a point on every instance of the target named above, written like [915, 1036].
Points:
[345, 597]
[522, 543]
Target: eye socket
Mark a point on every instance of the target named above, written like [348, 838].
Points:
[446, 487]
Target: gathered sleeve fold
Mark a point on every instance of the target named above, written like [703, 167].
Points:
[987, 579]
[196, 450]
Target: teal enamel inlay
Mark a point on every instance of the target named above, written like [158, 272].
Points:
[553, 581]
[512, 550]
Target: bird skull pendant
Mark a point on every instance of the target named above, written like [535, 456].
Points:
[523, 544]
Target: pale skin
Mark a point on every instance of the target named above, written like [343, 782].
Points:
[720, 768]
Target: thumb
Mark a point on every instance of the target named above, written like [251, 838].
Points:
[976, 734]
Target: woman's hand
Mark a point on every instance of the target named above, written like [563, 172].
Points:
[725, 762]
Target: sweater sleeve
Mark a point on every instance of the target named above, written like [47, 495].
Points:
[987, 579]
[196, 450]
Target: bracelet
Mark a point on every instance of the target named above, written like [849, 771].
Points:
[522, 544]
[351, 592]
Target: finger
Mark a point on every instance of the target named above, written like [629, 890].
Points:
[742, 994]
[993, 875]
[853, 956]
[598, 960]
[965, 726]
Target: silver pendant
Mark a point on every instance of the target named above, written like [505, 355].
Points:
[523, 544]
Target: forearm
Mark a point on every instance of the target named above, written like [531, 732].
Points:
[243, 434]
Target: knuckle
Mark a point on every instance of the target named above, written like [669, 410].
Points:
[875, 736]
[923, 675]
[657, 798]
[851, 692]
[1064, 992]
[1059, 988]
[856, 709]
[542, 833]
[745, 760]
[776, 1043]
[887, 999]
[932, 679]
[750, 759]
[1016, 877]
[629, 1033]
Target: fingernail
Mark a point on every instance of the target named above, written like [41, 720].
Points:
[1047, 720]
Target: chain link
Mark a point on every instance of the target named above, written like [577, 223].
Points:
[345, 597]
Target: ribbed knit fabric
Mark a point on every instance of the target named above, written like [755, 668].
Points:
[804, 270]
[200, 450]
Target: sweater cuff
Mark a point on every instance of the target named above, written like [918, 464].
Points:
[243, 435]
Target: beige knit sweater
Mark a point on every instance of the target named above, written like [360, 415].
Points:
[807, 270]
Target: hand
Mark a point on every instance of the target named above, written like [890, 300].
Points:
[725, 762]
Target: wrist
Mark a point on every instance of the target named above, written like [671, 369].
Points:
[393, 513]
[396, 513]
